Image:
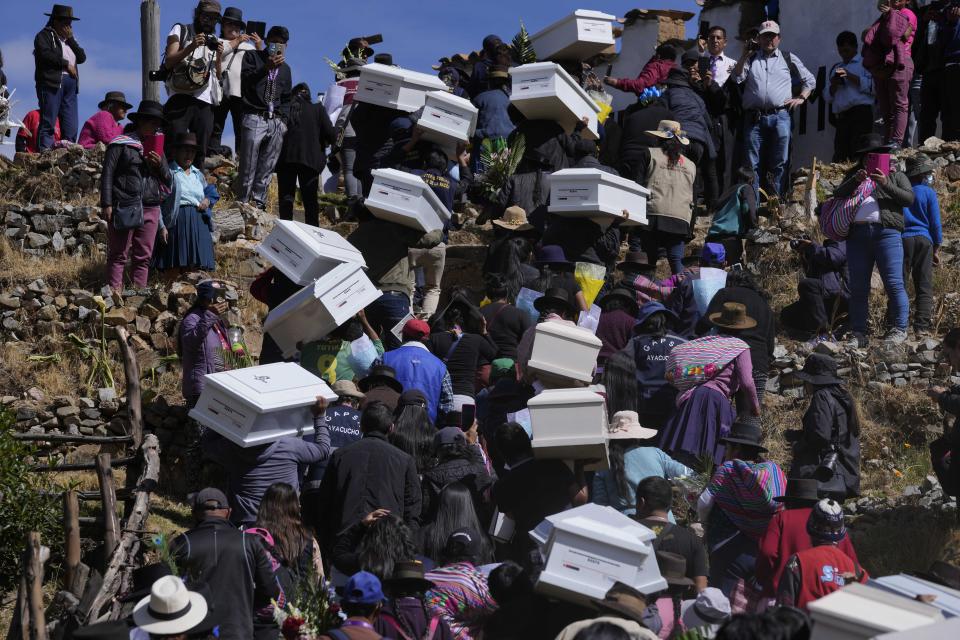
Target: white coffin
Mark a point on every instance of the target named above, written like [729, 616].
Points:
[406, 199]
[579, 36]
[544, 91]
[562, 350]
[859, 611]
[592, 193]
[586, 556]
[447, 119]
[258, 405]
[394, 87]
[319, 308]
[304, 252]
[569, 424]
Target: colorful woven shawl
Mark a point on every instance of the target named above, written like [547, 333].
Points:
[700, 360]
[128, 141]
[746, 491]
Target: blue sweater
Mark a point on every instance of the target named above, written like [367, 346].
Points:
[638, 463]
[922, 218]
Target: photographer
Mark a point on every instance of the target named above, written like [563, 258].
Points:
[267, 89]
[850, 97]
[235, 44]
[190, 70]
[828, 446]
[823, 289]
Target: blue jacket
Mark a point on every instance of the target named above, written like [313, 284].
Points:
[922, 218]
[493, 119]
[638, 463]
[656, 397]
[343, 424]
[828, 263]
[417, 368]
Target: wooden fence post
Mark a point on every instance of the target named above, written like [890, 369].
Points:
[108, 495]
[149, 50]
[71, 534]
[131, 371]
[36, 559]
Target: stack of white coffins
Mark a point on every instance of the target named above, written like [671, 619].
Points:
[569, 422]
[589, 548]
[257, 405]
[598, 195]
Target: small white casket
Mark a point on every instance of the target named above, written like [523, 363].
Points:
[579, 36]
[447, 119]
[593, 193]
[569, 424]
[258, 405]
[859, 611]
[319, 308]
[563, 350]
[406, 199]
[304, 252]
[394, 87]
[544, 91]
[586, 554]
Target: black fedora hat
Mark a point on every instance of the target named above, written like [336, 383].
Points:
[551, 254]
[408, 575]
[147, 109]
[185, 139]
[232, 14]
[872, 143]
[637, 260]
[554, 297]
[800, 490]
[114, 96]
[381, 374]
[62, 12]
[621, 293]
[746, 434]
[673, 568]
[819, 369]
[143, 579]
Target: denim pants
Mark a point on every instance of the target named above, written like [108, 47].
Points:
[768, 145]
[869, 245]
[651, 242]
[58, 103]
[260, 145]
[385, 312]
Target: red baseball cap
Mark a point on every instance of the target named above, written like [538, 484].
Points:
[416, 329]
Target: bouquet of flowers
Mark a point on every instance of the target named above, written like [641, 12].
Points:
[310, 611]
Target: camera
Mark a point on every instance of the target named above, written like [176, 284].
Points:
[828, 466]
[210, 40]
[795, 242]
[753, 45]
[159, 75]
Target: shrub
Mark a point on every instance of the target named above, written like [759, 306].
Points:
[27, 503]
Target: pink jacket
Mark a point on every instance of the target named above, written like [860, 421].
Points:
[653, 73]
[101, 127]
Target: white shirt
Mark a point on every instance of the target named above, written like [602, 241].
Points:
[869, 211]
[231, 64]
[722, 66]
[205, 93]
[68, 55]
[850, 95]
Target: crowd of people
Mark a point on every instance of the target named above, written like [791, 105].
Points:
[429, 440]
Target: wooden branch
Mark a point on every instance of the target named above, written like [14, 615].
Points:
[66, 437]
[130, 539]
[108, 495]
[80, 466]
[71, 534]
[20, 623]
[37, 556]
[131, 371]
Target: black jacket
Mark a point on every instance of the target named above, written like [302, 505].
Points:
[469, 471]
[760, 338]
[583, 240]
[367, 475]
[236, 567]
[689, 110]
[635, 143]
[127, 177]
[829, 419]
[373, 126]
[892, 197]
[253, 85]
[309, 132]
[48, 56]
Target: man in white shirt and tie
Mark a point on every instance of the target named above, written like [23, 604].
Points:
[720, 65]
[718, 68]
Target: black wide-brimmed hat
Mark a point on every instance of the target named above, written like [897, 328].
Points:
[147, 109]
[62, 12]
[800, 490]
[872, 143]
[381, 374]
[819, 369]
[747, 434]
[627, 295]
[185, 139]
[637, 260]
[114, 96]
[233, 14]
[408, 575]
[552, 298]
[673, 568]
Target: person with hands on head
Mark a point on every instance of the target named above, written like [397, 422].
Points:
[131, 192]
[203, 334]
[56, 55]
[190, 68]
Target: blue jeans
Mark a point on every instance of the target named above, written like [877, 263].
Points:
[870, 244]
[651, 242]
[768, 147]
[57, 103]
[385, 312]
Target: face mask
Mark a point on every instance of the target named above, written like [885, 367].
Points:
[929, 179]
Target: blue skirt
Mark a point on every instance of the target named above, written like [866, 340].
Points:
[189, 245]
[695, 428]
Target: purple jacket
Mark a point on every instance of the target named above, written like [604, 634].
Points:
[100, 127]
[198, 348]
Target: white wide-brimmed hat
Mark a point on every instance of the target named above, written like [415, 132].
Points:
[626, 425]
[670, 129]
[170, 608]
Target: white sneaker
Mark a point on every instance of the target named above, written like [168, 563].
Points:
[896, 336]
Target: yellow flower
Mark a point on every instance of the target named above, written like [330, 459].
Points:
[906, 445]
[100, 302]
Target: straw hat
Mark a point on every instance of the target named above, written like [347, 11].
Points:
[732, 315]
[626, 425]
[170, 609]
[670, 129]
[514, 219]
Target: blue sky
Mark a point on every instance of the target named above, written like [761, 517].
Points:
[416, 33]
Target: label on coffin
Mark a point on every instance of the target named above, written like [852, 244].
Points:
[544, 83]
[601, 567]
[573, 195]
[595, 27]
[386, 90]
[444, 117]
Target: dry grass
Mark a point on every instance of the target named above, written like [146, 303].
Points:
[63, 271]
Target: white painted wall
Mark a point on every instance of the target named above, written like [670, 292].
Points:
[637, 45]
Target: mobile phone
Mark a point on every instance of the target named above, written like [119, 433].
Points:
[703, 65]
[259, 28]
[374, 39]
[737, 267]
[468, 415]
[273, 48]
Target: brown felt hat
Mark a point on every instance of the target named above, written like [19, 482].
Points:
[732, 315]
